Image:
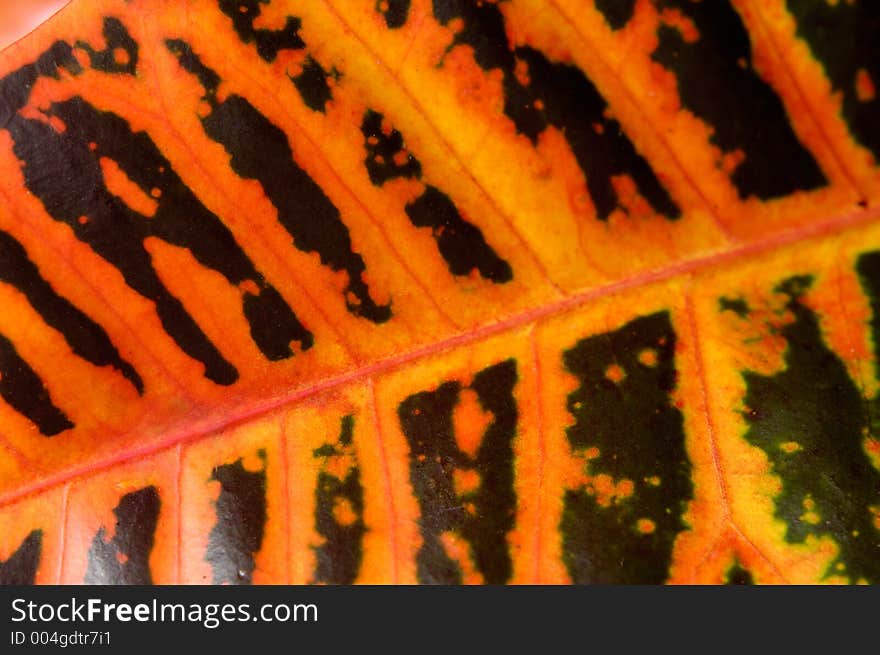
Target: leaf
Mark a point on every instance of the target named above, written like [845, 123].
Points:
[441, 292]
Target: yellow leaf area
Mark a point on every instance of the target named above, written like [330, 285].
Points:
[458, 292]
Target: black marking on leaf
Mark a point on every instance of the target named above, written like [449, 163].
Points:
[86, 338]
[383, 152]
[632, 421]
[828, 482]
[617, 13]
[116, 232]
[395, 12]
[241, 522]
[125, 559]
[339, 557]
[260, 150]
[269, 42]
[718, 83]
[311, 82]
[737, 575]
[562, 96]
[738, 306]
[427, 422]
[21, 567]
[22, 388]
[108, 60]
[312, 85]
[845, 37]
[461, 244]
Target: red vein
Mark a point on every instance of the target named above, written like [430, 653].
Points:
[179, 497]
[442, 140]
[742, 537]
[707, 408]
[210, 425]
[386, 474]
[712, 438]
[542, 458]
[285, 487]
[62, 538]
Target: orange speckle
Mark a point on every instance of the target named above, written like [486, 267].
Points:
[615, 373]
[83, 220]
[57, 124]
[120, 185]
[470, 422]
[343, 512]
[625, 488]
[465, 481]
[253, 463]
[646, 526]
[522, 72]
[865, 89]
[249, 286]
[401, 157]
[120, 56]
[687, 29]
[790, 447]
[648, 357]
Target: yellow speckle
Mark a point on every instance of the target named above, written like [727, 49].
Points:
[790, 447]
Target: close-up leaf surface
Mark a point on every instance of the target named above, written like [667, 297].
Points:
[441, 292]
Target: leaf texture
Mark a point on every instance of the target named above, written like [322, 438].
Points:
[441, 292]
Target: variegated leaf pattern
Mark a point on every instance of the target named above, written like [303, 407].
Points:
[441, 292]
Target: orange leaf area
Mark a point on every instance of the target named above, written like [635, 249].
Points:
[439, 292]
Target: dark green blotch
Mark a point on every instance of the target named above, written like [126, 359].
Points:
[394, 11]
[260, 151]
[241, 522]
[845, 37]
[125, 559]
[814, 403]
[718, 83]
[426, 420]
[21, 567]
[737, 575]
[738, 306]
[639, 434]
[570, 101]
[616, 12]
[339, 557]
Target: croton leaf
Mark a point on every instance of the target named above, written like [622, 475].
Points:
[450, 291]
